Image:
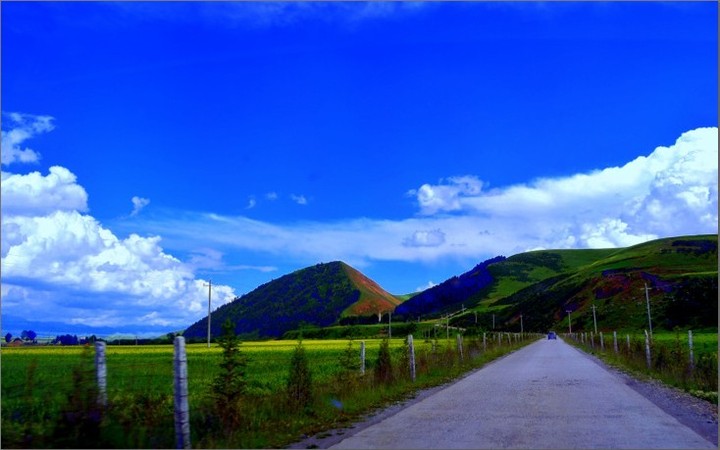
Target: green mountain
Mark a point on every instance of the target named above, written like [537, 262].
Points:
[681, 274]
[315, 296]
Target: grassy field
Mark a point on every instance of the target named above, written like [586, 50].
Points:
[669, 358]
[49, 395]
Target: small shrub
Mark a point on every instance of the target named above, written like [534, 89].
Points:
[706, 370]
[299, 385]
[78, 425]
[383, 367]
[349, 374]
[230, 384]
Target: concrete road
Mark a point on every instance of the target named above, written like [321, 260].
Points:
[546, 395]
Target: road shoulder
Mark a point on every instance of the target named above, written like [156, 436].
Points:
[328, 438]
[699, 415]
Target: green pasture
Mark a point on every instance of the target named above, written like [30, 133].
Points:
[150, 367]
[49, 397]
[670, 360]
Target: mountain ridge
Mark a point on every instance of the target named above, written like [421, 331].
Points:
[540, 285]
[315, 296]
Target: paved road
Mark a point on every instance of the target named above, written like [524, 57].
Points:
[547, 395]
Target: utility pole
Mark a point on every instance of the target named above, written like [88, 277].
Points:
[209, 285]
[647, 300]
[594, 319]
[569, 320]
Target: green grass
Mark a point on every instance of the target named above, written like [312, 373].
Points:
[44, 406]
[670, 358]
[525, 269]
[660, 254]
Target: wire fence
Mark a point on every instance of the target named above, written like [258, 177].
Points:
[57, 396]
[678, 360]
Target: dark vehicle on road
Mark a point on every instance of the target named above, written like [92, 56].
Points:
[552, 335]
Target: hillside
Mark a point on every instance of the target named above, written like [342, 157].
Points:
[482, 286]
[680, 272]
[373, 299]
[541, 285]
[450, 294]
[315, 296]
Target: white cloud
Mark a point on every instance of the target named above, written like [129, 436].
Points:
[271, 196]
[446, 197]
[34, 194]
[672, 191]
[251, 203]
[299, 199]
[209, 259]
[266, 14]
[24, 127]
[61, 265]
[73, 256]
[425, 287]
[431, 238]
[138, 204]
[611, 207]
[58, 262]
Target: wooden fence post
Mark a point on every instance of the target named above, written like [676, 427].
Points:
[101, 369]
[602, 342]
[615, 344]
[362, 357]
[182, 409]
[648, 359]
[627, 338]
[460, 346]
[484, 343]
[592, 339]
[690, 345]
[411, 351]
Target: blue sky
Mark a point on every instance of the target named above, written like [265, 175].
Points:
[150, 147]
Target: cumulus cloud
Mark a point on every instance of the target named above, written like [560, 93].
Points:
[425, 286]
[299, 199]
[431, 238]
[446, 196]
[35, 194]
[60, 264]
[671, 191]
[271, 196]
[251, 203]
[60, 261]
[24, 127]
[138, 204]
[74, 256]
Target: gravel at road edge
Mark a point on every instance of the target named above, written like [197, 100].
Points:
[699, 415]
